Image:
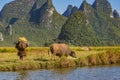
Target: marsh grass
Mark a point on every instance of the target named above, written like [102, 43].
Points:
[38, 58]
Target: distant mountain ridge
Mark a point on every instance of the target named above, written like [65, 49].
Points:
[37, 20]
[41, 24]
[92, 25]
[70, 10]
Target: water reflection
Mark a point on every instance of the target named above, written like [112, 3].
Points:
[23, 75]
[86, 73]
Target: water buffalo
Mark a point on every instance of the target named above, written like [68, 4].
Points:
[61, 49]
[21, 46]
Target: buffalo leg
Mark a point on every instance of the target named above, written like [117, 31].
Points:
[21, 58]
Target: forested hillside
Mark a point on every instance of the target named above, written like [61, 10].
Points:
[92, 25]
[37, 20]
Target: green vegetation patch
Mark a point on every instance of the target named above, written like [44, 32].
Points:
[38, 58]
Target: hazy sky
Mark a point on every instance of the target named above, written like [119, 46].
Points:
[61, 5]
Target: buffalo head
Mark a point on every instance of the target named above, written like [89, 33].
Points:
[73, 54]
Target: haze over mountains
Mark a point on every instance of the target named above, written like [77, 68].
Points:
[41, 24]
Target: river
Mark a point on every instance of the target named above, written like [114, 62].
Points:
[81, 73]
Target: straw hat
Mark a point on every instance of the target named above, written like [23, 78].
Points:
[22, 39]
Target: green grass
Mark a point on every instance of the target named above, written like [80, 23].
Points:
[38, 58]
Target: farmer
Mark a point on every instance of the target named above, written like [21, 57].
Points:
[21, 45]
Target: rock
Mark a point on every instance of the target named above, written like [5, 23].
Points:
[1, 37]
[9, 29]
[86, 48]
[115, 14]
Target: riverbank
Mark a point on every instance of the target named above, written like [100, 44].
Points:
[38, 58]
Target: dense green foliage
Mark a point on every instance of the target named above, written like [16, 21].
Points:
[19, 15]
[93, 26]
[39, 22]
[78, 31]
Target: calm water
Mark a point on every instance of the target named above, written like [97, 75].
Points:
[86, 73]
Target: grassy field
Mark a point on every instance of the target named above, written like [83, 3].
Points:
[38, 58]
